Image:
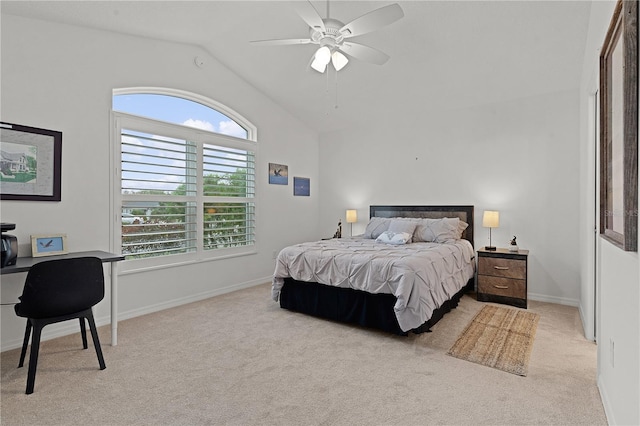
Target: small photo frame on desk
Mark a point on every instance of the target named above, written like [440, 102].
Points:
[48, 245]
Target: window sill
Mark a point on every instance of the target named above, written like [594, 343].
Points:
[136, 266]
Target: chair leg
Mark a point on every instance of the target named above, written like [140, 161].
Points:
[25, 343]
[96, 341]
[33, 357]
[83, 332]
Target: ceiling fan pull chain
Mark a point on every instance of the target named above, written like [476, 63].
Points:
[328, 83]
[336, 104]
[327, 92]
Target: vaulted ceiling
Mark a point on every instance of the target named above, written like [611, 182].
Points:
[447, 54]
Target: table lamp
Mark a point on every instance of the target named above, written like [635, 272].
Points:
[490, 219]
[352, 216]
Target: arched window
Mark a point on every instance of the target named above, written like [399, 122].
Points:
[186, 176]
[178, 110]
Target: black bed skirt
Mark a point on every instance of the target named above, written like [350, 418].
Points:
[355, 306]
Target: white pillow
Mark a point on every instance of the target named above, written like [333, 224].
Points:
[376, 226]
[394, 238]
[438, 230]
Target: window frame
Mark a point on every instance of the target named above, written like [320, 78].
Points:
[121, 120]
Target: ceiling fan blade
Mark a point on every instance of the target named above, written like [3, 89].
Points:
[364, 53]
[372, 21]
[310, 15]
[282, 42]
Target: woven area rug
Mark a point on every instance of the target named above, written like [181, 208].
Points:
[498, 337]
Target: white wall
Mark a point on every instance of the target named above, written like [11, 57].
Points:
[618, 272]
[518, 157]
[618, 336]
[61, 77]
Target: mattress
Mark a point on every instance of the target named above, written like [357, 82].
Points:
[422, 276]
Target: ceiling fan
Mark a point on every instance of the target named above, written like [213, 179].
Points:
[332, 36]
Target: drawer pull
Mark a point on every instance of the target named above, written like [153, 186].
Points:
[504, 287]
[501, 268]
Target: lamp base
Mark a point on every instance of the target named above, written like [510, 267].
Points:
[490, 248]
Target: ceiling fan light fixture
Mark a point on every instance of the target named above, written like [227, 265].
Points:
[318, 66]
[321, 59]
[338, 60]
[323, 55]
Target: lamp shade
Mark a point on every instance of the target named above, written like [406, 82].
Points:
[338, 60]
[318, 65]
[321, 59]
[491, 219]
[352, 216]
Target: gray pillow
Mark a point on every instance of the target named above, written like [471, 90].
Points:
[376, 226]
[438, 230]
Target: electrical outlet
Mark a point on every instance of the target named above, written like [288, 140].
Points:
[612, 347]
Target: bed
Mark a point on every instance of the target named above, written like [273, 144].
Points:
[411, 266]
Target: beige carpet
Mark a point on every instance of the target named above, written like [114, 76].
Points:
[498, 337]
[238, 359]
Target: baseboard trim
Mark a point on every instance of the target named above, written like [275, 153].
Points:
[553, 299]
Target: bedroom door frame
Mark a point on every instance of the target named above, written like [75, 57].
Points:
[594, 246]
[590, 283]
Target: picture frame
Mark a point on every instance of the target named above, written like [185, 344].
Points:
[301, 186]
[619, 128]
[48, 245]
[278, 174]
[30, 163]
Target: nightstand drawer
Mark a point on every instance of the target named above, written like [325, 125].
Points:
[502, 286]
[501, 267]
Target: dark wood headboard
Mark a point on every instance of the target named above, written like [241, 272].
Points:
[465, 213]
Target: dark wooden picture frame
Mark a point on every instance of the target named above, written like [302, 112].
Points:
[619, 128]
[31, 161]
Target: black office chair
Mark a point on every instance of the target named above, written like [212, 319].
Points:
[55, 291]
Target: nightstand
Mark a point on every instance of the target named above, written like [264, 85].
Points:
[502, 276]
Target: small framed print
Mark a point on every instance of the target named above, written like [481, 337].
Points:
[48, 245]
[278, 174]
[301, 186]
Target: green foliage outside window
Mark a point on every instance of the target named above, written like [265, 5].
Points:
[169, 227]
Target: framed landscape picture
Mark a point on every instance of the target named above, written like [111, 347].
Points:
[30, 163]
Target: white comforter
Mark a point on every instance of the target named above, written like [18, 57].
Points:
[422, 276]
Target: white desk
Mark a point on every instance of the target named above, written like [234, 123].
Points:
[23, 264]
